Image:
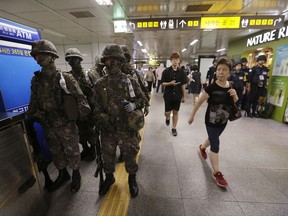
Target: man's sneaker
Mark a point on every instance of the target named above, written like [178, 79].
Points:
[203, 152]
[174, 132]
[220, 179]
[167, 121]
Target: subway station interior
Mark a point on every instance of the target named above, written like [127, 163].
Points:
[173, 177]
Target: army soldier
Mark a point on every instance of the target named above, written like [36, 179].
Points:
[98, 69]
[56, 101]
[119, 116]
[86, 80]
[257, 84]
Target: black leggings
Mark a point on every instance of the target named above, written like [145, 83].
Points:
[213, 136]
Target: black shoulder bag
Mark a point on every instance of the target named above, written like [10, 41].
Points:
[234, 111]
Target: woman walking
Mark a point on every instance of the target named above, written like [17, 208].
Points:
[220, 96]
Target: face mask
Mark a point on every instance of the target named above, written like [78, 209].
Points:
[114, 65]
[72, 61]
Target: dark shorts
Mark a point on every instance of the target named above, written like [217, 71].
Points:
[172, 105]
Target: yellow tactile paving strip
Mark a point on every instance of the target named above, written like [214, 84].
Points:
[117, 199]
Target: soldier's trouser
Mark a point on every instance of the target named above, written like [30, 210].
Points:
[87, 133]
[63, 144]
[253, 97]
[129, 145]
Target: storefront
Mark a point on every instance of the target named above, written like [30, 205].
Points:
[274, 45]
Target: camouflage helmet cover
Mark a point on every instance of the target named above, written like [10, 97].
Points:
[126, 51]
[113, 50]
[43, 46]
[73, 52]
[243, 60]
[98, 60]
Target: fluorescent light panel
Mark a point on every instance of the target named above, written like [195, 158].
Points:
[139, 42]
[144, 50]
[194, 41]
[104, 2]
[220, 50]
[183, 50]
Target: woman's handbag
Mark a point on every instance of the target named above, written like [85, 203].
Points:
[234, 113]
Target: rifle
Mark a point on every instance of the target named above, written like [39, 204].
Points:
[99, 162]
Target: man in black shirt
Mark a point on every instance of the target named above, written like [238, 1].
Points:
[174, 80]
[211, 73]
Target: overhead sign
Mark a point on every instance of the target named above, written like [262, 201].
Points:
[190, 23]
[16, 32]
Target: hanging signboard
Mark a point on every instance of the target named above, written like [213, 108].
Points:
[190, 23]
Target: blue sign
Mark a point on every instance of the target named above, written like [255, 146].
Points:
[18, 33]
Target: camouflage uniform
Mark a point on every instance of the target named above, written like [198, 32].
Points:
[98, 69]
[118, 127]
[86, 80]
[47, 107]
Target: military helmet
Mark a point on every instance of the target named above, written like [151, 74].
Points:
[113, 50]
[73, 52]
[98, 60]
[261, 57]
[238, 62]
[43, 46]
[243, 60]
[126, 51]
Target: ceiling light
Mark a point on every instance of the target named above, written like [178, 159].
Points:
[53, 33]
[144, 50]
[285, 11]
[104, 2]
[139, 42]
[220, 50]
[259, 48]
[208, 30]
[194, 41]
[183, 50]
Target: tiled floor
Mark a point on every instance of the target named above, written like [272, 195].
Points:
[174, 180]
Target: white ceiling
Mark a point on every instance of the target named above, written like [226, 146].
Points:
[56, 15]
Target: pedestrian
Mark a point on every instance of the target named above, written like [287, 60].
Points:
[150, 79]
[211, 73]
[56, 102]
[159, 72]
[195, 85]
[119, 116]
[220, 97]
[174, 79]
[257, 83]
[86, 80]
[238, 78]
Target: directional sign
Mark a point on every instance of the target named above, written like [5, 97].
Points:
[191, 23]
[184, 23]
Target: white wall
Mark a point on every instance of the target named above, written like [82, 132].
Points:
[89, 51]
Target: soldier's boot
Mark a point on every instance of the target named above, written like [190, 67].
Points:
[104, 188]
[120, 159]
[85, 151]
[61, 179]
[76, 181]
[133, 187]
[92, 153]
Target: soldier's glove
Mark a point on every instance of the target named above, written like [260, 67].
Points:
[146, 110]
[128, 106]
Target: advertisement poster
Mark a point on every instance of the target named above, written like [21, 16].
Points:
[277, 91]
[281, 62]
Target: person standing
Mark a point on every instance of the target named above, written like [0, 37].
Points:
[119, 116]
[195, 83]
[238, 78]
[257, 85]
[247, 72]
[220, 98]
[86, 80]
[211, 73]
[150, 79]
[56, 101]
[159, 72]
[174, 81]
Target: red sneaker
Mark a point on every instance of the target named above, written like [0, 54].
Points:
[203, 152]
[220, 179]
